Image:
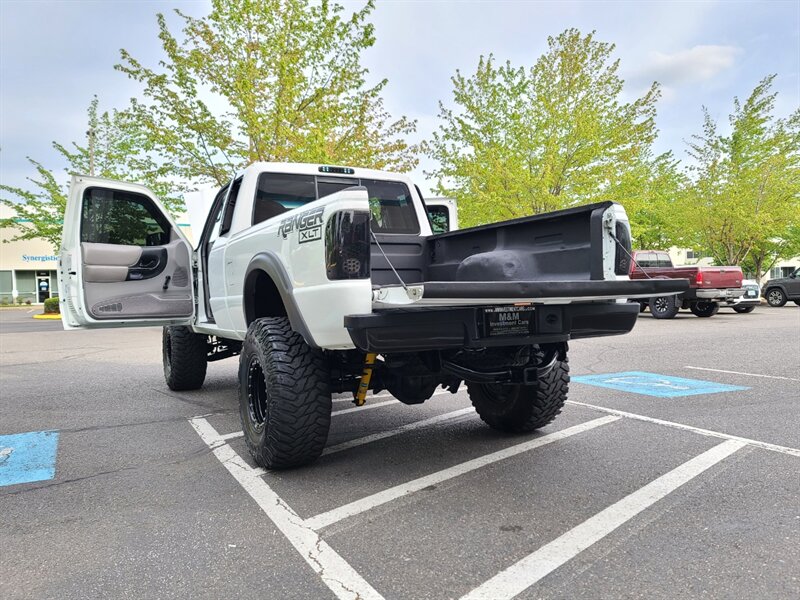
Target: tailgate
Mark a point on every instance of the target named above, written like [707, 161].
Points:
[478, 293]
[720, 277]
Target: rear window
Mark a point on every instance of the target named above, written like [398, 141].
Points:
[391, 204]
[646, 260]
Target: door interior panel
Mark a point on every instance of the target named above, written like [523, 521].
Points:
[134, 282]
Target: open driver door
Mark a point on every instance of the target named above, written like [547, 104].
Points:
[123, 262]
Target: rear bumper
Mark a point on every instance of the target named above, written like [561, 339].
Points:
[714, 294]
[416, 329]
[743, 302]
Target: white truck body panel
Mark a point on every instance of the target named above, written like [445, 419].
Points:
[323, 303]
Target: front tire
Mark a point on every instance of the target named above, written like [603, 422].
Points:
[521, 408]
[664, 307]
[184, 355]
[704, 309]
[744, 309]
[776, 297]
[284, 395]
[796, 302]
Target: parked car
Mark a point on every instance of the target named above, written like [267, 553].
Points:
[779, 291]
[748, 302]
[708, 286]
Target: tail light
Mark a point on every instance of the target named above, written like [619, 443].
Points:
[622, 259]
[699, 278]
[347, 245]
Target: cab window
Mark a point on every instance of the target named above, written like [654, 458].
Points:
[124, 218]
[276, 193]
[230, 206]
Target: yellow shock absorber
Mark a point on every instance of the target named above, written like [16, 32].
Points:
[363, 385]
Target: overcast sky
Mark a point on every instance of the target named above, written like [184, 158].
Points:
[55, 55]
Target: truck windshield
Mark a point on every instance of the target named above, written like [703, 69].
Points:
[391, 204]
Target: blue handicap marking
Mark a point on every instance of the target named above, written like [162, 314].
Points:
[654, 384]
[27, 457]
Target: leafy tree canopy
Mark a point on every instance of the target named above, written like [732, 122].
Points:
[265, 80]
[745, 196]
[522, 140]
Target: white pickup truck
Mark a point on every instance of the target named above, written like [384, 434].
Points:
[328, 279]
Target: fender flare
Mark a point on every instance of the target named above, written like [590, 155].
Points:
[271, 264]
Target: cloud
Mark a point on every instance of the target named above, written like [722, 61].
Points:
[694, 65]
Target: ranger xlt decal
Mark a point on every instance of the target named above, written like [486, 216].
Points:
[308, 225]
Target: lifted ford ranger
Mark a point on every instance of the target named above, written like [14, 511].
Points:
[328, 279]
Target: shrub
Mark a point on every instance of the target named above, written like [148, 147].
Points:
[51, 306]
[28, 301]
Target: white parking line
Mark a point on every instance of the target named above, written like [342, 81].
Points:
[392, 432]
[520, 576]
[701, 431]
[364, 504]
[740, 373]
[335, 572]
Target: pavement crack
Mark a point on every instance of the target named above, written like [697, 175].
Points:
[139, 423]
[182, 399]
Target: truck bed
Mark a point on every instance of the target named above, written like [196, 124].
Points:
[550, 257]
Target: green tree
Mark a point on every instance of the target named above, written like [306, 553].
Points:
[265, 80]
[745, 193]
[522, 141]
[653, 192]
[111, 150]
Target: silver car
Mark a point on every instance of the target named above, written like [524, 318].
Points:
[748, 302]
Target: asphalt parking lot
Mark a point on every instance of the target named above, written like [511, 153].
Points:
[646, 486]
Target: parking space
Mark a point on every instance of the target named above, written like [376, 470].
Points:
[626, 494]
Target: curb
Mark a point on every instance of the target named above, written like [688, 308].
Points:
[48, 316]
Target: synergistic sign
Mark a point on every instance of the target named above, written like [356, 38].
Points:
[39, 259]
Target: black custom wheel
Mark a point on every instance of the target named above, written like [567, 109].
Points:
[664, 307]
[284, 395]
[184, 355]
[704, 309]
[776, 297]
[521, 408]
[744, 309]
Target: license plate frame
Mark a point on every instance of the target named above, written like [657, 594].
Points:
[508, 321]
